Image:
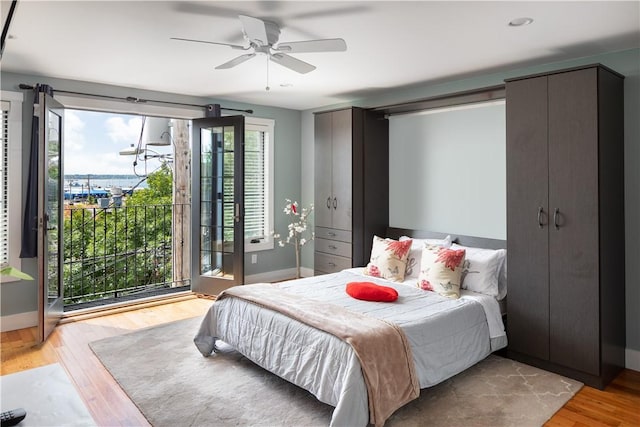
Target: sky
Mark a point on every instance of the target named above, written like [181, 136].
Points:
[92, 141]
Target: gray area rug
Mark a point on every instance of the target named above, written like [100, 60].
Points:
[173, 385]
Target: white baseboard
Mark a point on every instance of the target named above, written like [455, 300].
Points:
[307, 272]
[18, 321]
[278, 275]
[632, 359]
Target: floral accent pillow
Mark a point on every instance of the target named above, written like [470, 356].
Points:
[388, 259]
[441, 270]
[415, 254]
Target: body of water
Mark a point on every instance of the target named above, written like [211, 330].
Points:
[80, 187]
[125, 182]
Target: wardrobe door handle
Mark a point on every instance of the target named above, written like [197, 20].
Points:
[236, 215]
[328, 202]
[556, 214]
[335, 203]
[540, 210]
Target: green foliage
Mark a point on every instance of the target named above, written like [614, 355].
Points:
[159, 191]
[115, 251]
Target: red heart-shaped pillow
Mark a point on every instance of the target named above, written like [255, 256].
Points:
[369, 291]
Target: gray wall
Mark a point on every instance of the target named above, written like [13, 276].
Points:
[625, 62]
[21, 296]
[455, 163]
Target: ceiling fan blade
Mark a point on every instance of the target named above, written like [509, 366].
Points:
[236, 61]
[232, 46]
[324, 45]
[292, 63]
[255, 29]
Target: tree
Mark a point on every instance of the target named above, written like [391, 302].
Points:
[120, 250]
[159, 190]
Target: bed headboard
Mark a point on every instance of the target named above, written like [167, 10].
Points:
[477, 242]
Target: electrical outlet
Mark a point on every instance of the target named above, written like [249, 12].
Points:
[254, 258]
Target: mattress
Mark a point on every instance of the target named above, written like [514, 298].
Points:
[446, 336]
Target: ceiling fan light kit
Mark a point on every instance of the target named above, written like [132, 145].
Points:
[263, 36]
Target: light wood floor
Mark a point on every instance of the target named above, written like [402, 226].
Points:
[618, 405]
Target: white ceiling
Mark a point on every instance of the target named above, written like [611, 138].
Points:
[390, 43]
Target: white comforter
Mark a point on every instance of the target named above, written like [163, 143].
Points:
[446, 336]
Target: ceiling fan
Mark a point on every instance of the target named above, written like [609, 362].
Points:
[262, 37]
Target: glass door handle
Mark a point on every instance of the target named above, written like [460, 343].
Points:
[236, 217]
[45, 223]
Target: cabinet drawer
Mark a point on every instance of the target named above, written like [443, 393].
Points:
[333, 234]
[330, 263]
[334, 247]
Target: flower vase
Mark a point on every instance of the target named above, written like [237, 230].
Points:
[297, 247]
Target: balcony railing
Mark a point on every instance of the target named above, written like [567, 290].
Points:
[120, 253]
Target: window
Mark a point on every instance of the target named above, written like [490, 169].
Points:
[10, 169]
[258, 184]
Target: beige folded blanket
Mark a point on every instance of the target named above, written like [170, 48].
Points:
[382, 348]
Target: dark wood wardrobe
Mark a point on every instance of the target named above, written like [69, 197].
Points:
[351, 186]
[565, 222]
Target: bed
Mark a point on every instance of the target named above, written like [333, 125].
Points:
[445, 336]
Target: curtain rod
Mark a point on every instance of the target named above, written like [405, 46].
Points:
[135, 100]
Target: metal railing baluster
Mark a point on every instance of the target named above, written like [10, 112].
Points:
[134, 258]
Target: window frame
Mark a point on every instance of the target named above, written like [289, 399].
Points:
[14, 179]
[267, 125]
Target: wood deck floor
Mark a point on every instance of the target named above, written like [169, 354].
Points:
[618, 405]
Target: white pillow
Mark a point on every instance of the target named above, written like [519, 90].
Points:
[481, 270]
[502, 280]
[415, 254]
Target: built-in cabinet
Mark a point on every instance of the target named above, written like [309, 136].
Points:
[565, 222]
[351, 186]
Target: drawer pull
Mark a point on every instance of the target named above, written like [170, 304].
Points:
[331, 234]
[331, 264]
[333, 247]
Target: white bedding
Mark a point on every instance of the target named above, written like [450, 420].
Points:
[446, 336]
